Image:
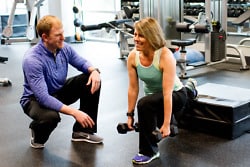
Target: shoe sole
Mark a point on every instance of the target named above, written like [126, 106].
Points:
[36, 147]
[146, 162]
[86, 140]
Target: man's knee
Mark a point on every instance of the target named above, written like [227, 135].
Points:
[51, 119]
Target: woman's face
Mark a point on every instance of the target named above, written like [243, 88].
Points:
[141, 43]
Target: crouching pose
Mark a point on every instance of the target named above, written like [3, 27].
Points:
[48, 91]
[154, 64]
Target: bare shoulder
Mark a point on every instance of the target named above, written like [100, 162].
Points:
[131, 56]
[167, 58]
[132, 53]
[166, 53]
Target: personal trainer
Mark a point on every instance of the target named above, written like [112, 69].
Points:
[165, 95]
[48, 91]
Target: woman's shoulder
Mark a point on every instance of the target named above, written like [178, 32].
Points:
[132, 53]
[167, 56]
[165, 50]
[131, 57]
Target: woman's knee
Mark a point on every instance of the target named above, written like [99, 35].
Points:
[142, 104]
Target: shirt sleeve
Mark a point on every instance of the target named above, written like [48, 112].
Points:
[34, 76]
[76, 60]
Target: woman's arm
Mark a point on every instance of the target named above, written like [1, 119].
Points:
[133, 87]
[168, 66]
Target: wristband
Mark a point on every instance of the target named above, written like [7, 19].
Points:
[130, 114]
[96, 69]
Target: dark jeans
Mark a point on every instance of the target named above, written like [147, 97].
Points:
[45, 120]
[151, 115]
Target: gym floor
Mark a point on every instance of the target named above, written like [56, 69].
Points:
[188, 149]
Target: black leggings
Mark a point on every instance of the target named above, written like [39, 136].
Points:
[151, 115]
[45, 120]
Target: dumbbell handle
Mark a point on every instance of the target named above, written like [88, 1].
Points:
[122, 128]
[158, 136]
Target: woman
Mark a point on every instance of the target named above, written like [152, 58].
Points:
[153, 63]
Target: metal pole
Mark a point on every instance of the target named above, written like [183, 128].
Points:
[208, 35]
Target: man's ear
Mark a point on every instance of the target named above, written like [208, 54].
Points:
[44, 37]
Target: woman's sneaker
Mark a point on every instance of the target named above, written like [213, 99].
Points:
[143, 159]
[191, 84]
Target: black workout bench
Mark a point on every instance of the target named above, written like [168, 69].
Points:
[220, 110]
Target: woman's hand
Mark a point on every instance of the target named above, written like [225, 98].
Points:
[130, 123]
[165, 130]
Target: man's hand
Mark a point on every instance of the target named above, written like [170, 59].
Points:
[95, 80]
[81, 117]
[84, 119]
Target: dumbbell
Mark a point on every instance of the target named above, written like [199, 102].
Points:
[157, 136]
[5, 82]
[122, 128]
[77, 22]
[77, 10]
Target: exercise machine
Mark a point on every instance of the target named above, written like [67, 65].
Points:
[30, 33]
[122, 26]
[215, 47]
[78, 18]
[239, 23]
[198, 27]
[34, 16]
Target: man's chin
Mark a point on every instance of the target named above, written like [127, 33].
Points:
[60, 46]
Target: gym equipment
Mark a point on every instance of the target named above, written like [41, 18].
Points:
[78, 36]
[192, 56]
[30, 33]
[35, 13]
[221, 110]
[76, 9]
[77, 22]
[130, 12]
[196, 27]
[4, 81]
[78, 18]
[122, 128]
[122, 26]
[239, 23]
[112, 24]
[3, 59]
[215, 47]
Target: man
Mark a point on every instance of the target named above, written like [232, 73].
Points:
[48, 92]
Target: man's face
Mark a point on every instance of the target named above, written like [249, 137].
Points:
[55, 39]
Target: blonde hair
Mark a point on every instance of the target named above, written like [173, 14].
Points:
[45, 24]
[152, 31]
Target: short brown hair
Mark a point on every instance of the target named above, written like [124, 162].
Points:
[45, 24]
